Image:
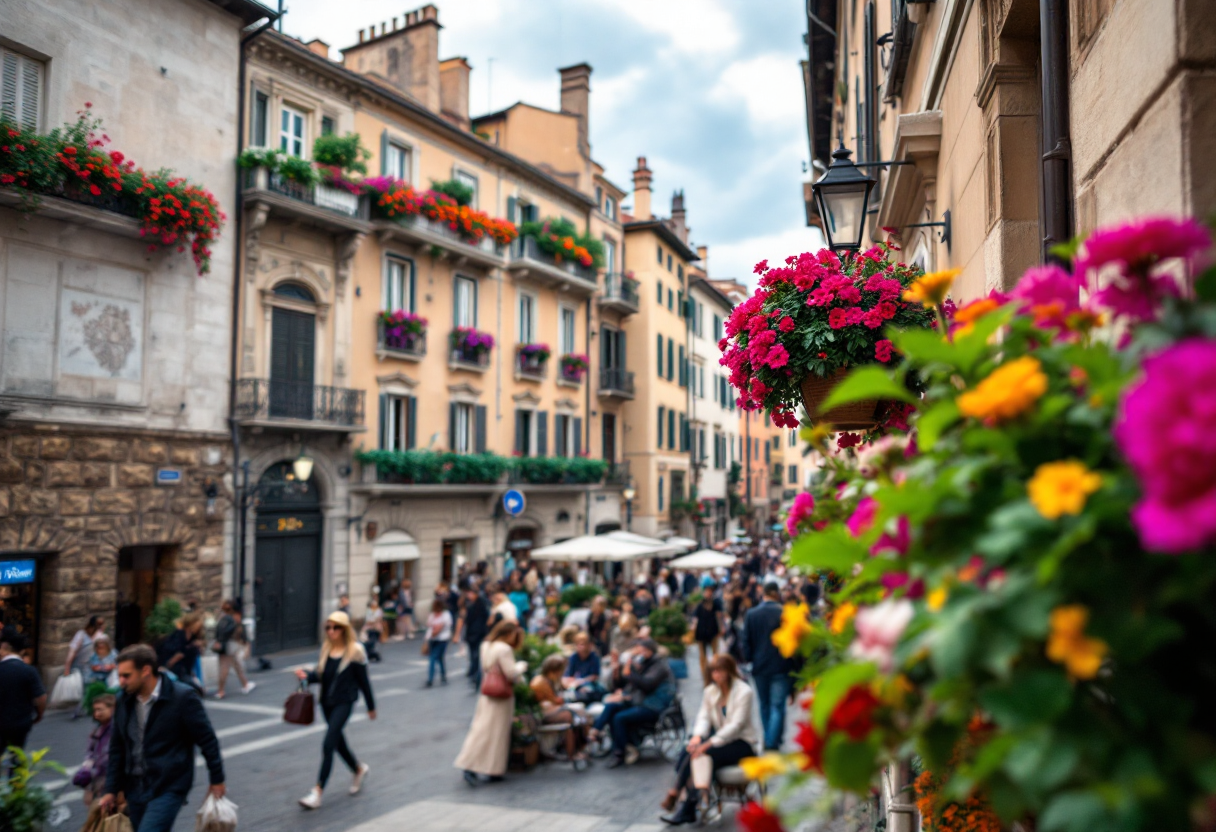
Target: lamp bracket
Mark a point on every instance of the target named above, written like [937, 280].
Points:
[944, 225]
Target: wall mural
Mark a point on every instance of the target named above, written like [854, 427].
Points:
[100, 336]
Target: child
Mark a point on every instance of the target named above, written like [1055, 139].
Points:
[91, 776]
[101, 663]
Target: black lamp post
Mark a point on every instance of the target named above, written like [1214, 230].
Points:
[842, 195]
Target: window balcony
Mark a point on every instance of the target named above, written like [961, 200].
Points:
[477, 361]
[616, 383]
[527, 260]
[436, 236]
[618, 474]
[530, 366]
[321, 206]
[620, 294]
[270, 403]
[394, 342]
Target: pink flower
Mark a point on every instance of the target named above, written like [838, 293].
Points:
[872, 318]
[786, 324]
[761, 267]
[838, 318]
[863, 517]
[1050, 294]
[897, 543]
[777, 357]
[1141, 244]
[1167, 431]
[883, 350]
[878, 630]
[848, 440]
[1135, 298]
[800, 512]
[895, 580]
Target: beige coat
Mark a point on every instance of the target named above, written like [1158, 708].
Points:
[488, 744]
[738, 723]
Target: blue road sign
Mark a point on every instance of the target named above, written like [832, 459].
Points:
[513, 502]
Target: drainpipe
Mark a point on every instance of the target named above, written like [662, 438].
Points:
[587, 410]
[1058, 226]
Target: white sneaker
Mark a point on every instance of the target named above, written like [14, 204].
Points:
[356, 782]
[249, 687]
[631, 755]
[312, 800]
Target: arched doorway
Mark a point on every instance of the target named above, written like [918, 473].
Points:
[287, 561]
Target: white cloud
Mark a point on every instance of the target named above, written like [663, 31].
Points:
[693, 26]
[737, 260]
[769, 86]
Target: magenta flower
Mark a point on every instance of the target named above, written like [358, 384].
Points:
[896, 543]
[800, 512]
[896, 580]
[1167, 431]
[863, 517]
[1141, 244]
[883, 350]
[1048, 293]
[878, 631]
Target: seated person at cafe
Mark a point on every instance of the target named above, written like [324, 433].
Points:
[583, 671]
[647, 686]
[546, 687]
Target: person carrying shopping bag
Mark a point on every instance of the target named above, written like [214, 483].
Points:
[341, 672]
[487, 746]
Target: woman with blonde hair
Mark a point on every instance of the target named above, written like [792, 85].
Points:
[488, 743]
[341, 672]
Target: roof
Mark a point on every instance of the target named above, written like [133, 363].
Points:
[435, 120]
[249, 11]
[659, 226]
[713, 291]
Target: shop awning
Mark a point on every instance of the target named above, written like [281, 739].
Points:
[394, 546]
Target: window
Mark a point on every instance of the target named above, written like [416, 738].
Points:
[669, 262]
[327, 126]
[660, 362]
[398, 284]
[465, 178]
[258, 119]
[670, 300]
[566, 331]
[718, 450]
[462, 428]
[701, 444]
[701, 383]
[563, 434]
[397, 422]
[599, 196]
[680, 304]
[671, 430]
[465, 301]
[680, 271]
[671, 359]
[21, 89]
[527, 318]
[659, 249]
[660, 493]
[683, 374]
[610, 207]
[793, 438]
[717, 328]
[291, 132]
[397, 161]
[662, 413]
[609, 256]
[659, 287]
[793, 475]
[531, 432]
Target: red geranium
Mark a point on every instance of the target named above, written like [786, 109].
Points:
[854, 713]
[755, 817]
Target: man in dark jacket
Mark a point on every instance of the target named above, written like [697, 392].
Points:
[476, 626]
[646, 687]
[157, 724]
[770, 670]
[22, 696]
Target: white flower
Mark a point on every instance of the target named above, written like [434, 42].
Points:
[878, 630]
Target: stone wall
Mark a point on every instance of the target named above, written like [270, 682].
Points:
[79, 495]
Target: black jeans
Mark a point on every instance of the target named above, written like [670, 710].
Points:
[722, 755]
[373, 638]
[336, 717]
[474, 673]
[13, 735]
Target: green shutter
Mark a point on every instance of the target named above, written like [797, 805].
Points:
[479, 444]
[661, 410]
[411, 422]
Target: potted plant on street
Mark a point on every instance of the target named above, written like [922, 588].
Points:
[812, 320]
[668, 626]
[24, 806]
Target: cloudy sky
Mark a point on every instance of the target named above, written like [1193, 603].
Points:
[708, 90]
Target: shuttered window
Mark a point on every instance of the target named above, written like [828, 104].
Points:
[21, 89]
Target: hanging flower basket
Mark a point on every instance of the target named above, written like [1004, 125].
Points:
[852, 416]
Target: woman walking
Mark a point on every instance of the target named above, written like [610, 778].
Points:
[488, 744]
[341, 672]
[231, 640]
[725, 732]
[438, 634]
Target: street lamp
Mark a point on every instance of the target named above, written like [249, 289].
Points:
[302, 467]
[629, 492]
[842, 195]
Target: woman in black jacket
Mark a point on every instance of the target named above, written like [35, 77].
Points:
[341, 672]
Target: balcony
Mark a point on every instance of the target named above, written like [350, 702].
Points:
[321, 206]
[477, 361]
[269, 403]
[618, 474]
[395, 343]
[620, 294]
[530, 367]
[448, 244]
[527, 260]
[616, 383]
[108, 213]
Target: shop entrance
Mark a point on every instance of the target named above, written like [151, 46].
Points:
[287, 562]
[19, 597]
[137, 588]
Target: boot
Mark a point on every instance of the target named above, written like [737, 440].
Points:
[688, 810]
[669, 802]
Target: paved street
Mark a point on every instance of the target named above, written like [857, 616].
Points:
[410, 748]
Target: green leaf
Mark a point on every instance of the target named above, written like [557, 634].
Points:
[1029, 698]
[923, 346]
[850, 765]
[1066, 250]
[863, 384]
[1205, 286]
[834, 684]
[933, 421]
[1075, 811]
[832, 548]
[937, 744]
[973, 346]
[1039, 763]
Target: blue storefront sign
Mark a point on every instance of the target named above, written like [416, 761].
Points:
[16, 572]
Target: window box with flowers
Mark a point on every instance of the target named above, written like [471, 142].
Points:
[471, 348]
[531, 360]
[573, 368]
[810, 321]
[436, 212]
[403, 333]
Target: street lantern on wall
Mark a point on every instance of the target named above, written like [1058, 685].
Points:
[843, 196]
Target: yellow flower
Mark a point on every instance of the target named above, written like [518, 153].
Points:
[795, 623]
[1007, 392]
[937, 599]
[1068, 645]
[762, 768]
[1059, 488]
[972, 312]
[842, 616]
[930, 289]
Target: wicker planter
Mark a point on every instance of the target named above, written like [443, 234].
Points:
[853, 416]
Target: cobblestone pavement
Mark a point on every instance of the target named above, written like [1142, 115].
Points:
[410, 748]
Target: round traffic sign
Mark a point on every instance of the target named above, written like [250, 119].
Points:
[513, 502]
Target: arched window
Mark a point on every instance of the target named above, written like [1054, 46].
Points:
[295, 291]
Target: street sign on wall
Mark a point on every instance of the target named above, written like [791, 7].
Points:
[513, 502]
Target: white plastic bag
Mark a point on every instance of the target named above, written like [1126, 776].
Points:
[68, 690]
[216, 815]
[112, 679]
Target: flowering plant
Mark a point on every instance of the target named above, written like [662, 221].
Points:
[469, 342]
[574, 366]
[561, 240]
[818, 315]
[393, 199]
[399, 322]
[1021, 584]
[533, 355]
[70, 162]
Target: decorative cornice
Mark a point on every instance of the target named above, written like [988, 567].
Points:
[997, 74]
[397, 378]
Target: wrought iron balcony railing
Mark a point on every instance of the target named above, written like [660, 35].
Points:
[396, 341]
[260, 398]
[616, 380]
[621, 291]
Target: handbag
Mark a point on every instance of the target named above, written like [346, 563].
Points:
[426, 647]
[300, 707]
[495, 684]
[116, 823]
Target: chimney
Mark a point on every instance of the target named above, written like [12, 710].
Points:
[678, 215]
[641, 190]
[454, 91]
[576, 93]
[408, 58]
[703, 256]
[319, 47]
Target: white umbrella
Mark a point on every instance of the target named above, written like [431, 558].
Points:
[662, 548]
[703, 559]
[682, 542]
[592, 547]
